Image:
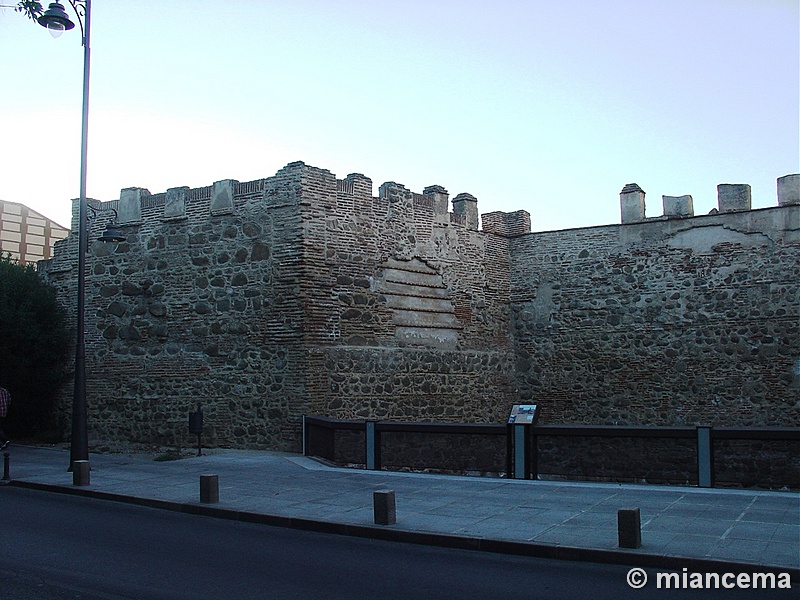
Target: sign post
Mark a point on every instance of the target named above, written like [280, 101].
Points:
[520, 421]
[196, 426]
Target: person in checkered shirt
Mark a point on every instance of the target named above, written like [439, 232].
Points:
[5, 400]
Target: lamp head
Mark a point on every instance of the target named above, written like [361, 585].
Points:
[112, 234]
[55, 19]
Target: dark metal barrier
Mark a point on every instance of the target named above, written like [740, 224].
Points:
[704, 456]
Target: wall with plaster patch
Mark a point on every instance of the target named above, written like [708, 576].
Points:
[663, 321]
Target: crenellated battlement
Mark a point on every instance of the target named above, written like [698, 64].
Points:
[395, 201]
[731, 197]
[507, 224]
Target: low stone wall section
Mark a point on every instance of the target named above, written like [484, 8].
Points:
[768, 464]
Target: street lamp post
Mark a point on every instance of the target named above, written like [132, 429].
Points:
[56, 20]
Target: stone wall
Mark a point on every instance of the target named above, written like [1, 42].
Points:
[201, 304]
[297, 294]
[404, 319]
[769, 464]
[662, 322]
[762, 463]
[305, 294]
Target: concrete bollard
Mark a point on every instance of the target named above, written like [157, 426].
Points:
[80, 472]
[209, 489]
[385, 509]
[629, 528]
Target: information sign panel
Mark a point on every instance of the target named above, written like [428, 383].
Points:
[524, 414]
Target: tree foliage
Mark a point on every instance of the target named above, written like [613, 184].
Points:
[30, 8]
[34, 347]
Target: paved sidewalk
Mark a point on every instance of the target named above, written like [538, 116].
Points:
[699, 529]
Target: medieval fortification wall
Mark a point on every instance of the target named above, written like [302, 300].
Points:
[304, 294]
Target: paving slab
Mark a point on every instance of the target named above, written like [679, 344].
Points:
[687, 527]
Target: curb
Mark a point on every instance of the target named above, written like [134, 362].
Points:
[442, 540]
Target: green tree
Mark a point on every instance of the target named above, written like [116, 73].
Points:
[30, 8]
[34, 348]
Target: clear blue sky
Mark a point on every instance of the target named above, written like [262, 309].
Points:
[548, 106]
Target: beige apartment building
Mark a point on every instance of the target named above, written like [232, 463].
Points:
[27, 235]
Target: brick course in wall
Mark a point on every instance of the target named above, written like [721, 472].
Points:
[305, 294]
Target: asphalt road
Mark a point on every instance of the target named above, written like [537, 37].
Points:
[57, 547]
